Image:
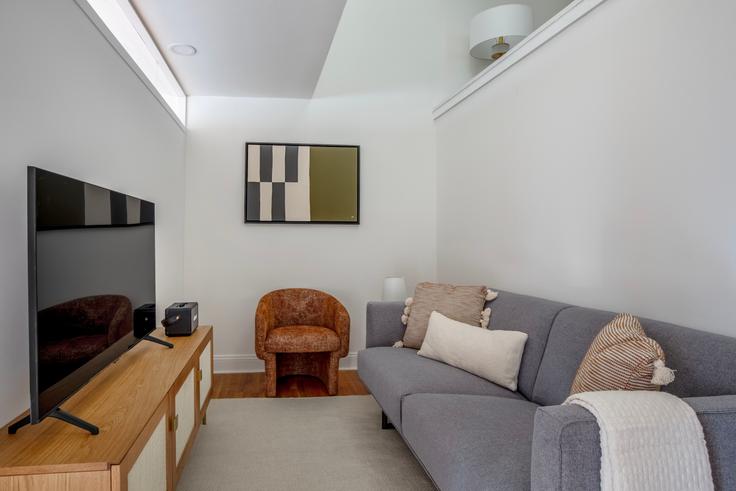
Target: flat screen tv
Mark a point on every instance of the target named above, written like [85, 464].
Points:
[91, 288]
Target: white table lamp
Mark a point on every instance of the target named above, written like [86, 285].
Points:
[394, 289]
[494, 31]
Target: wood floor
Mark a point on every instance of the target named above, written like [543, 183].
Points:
[236, 385]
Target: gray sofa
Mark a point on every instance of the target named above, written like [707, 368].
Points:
[470, 434]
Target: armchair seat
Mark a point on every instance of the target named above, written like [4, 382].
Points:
[302, 339]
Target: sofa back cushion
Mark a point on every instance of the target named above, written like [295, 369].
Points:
[704, 363]
[532, 315]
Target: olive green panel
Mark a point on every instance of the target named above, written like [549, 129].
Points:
[333, 177]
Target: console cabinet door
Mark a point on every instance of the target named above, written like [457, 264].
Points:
[184, 414]
[205, 370]
[149, 470]
[145, 466]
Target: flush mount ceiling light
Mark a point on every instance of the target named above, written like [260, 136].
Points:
[494, 31]
[183, 49]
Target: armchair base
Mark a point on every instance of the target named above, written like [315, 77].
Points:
[323, 365]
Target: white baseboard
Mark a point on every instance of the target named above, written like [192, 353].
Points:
[250, 363]
[238, 363]
[350, 362]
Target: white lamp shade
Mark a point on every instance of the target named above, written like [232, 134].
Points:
[513, 22]
[394, 289]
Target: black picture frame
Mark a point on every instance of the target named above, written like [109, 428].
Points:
[311, 222]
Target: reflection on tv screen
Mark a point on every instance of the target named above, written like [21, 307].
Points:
[72, 333]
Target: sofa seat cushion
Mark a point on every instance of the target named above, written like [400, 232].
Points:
[392, 373]
[302, 339]
[471, 442]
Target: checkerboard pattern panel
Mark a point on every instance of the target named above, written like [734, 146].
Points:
[278, 183]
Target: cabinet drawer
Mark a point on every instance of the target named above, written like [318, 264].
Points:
[184, 409]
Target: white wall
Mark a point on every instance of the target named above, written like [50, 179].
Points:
[230, 265]
[600, 169]
[376, 94]
[70, 104]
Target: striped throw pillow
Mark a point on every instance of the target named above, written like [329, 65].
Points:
[622, 357]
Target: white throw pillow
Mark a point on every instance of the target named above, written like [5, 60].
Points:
[493, 355]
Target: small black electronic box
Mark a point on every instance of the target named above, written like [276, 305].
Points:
[181, 319]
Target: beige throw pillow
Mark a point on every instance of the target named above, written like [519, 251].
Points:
[491, 354]
[622, 357]
[461, 303]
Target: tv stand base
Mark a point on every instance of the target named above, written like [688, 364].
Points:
[58, 414]
[157, 341]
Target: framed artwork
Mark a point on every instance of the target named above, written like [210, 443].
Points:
[299, 183]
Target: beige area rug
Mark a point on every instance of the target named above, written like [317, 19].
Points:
[313, 443]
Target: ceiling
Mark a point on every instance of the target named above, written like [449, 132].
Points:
[245, 48]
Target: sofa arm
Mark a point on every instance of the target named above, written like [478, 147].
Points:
[566, 452]
[566, 449]
[383, 323]
[717, 415]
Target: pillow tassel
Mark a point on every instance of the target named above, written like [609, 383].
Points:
[398, 344]
[407, 310]
[662, 375]
[491, 295]
[485, 317]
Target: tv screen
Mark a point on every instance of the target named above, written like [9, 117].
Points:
[91, 282]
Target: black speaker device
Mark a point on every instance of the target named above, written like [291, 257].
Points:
[144, 319]
[181, 319]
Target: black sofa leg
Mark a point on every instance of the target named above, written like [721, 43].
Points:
[385, 423]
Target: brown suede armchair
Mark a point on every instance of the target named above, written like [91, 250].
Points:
[301, 332]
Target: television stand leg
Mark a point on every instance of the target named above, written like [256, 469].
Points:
[58, 414]
[12, 429]
[157, 340]
[73, 420]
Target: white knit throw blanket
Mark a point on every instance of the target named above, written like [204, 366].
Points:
[650, 441]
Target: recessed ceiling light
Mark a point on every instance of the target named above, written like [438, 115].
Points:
[183, 49]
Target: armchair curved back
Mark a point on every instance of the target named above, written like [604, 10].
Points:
[295, 306]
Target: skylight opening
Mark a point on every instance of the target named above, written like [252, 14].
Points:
[126, 27]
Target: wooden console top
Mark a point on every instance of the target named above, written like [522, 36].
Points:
[119, 400]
